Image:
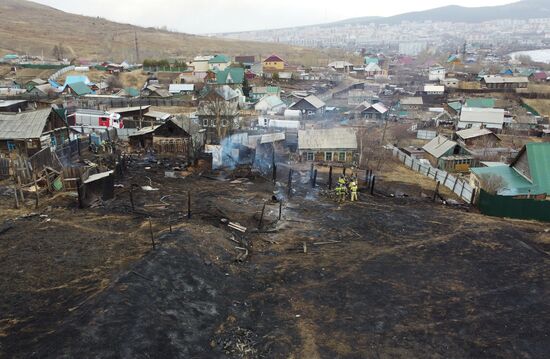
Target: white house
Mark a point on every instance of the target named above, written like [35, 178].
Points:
[200, 63]
[271, 104]
[474, 117]
[437, 73]
[434, 90]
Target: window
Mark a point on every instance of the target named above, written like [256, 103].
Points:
[11, 146]
[342, 157]
[205, 122]
[310, 156]
[328, 156]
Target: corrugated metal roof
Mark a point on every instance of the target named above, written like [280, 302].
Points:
[538, 155]
[23, 125]
[177, 88]
[473, 133]
[482, 115]
[514, 183]
[315, 101]
[504, 80]
[411, 101]
[480, 102]
[439, 146]
[334, 138]
[272, 137]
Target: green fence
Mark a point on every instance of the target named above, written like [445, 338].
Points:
[43, 66]
[503, 206]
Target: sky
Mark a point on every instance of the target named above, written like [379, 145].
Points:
[216, 16]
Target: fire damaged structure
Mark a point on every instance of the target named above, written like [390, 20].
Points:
[30, 132]
[167, 140]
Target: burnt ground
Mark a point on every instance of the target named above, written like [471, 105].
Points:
[382, 278]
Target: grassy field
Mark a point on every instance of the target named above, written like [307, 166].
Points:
[541, 106]
[35, 29]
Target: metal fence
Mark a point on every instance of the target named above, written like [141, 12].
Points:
[460, 187]
[503, 206]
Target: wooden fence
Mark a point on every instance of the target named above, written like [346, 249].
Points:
[460, 187]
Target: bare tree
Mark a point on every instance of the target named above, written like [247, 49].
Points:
[113, 82]
[492, 183]
[222, 112]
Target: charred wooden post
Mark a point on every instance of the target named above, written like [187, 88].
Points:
[280, 210]
[289, 183]
[372, 185]
[311, 172]
[79, 192]
[344, 171]
[152, 235]
[36, 191]
[436, 192]
[314, 180]
[330, 178]
[261, 217]
[188, 204]
[274, 173]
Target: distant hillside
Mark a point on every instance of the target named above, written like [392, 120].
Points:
[522, 10]
[27, 27]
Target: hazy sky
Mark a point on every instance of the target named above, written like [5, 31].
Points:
[209, 16]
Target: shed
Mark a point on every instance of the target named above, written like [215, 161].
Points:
[167, 140]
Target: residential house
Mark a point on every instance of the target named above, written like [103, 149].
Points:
[528, 174]
[539, 76]
[371, 60]
[273, 63]
[502, 82]
[30, 132]
[77, 89]
[411, 103]
[310, 105]
[259, 92]
[167, 140]
[377, 111]
[450, 82]
[335, 145]
[155, 91]
[271, 104]
[341, 66]
[448, 155]
[219, 63]
[128, 92]
[491, 118]
[434, 90]
[437, 73]
[181, 89]
[132, 116]
[372, 70]
[453, 107]
[200, 63]
[217, 112]
[231, 76]
[13, 105]
[246, 60]
[477, 138]
[41, 90]
[34, 82]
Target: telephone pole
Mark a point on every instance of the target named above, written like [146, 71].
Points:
[137, 47]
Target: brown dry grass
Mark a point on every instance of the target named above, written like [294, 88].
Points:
[541, 106]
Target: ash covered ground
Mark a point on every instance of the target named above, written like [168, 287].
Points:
[381, 278]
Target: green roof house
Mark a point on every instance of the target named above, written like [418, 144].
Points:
[78, 89]
[528, 174]
[219, 62]
[230, 76]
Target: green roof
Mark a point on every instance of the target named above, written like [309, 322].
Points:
[514, 183]
[219, 59]
[231, 75]
[273, 89]
[80, 88]
[371, 60]
[480, 102]
[457, 106]
[131, 91]
[538, 155]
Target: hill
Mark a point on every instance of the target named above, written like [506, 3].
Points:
[522, 10]
[32, 28]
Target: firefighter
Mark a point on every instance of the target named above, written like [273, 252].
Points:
[341, 181]
[353, 189]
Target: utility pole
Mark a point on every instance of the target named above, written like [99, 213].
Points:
[137, 47]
